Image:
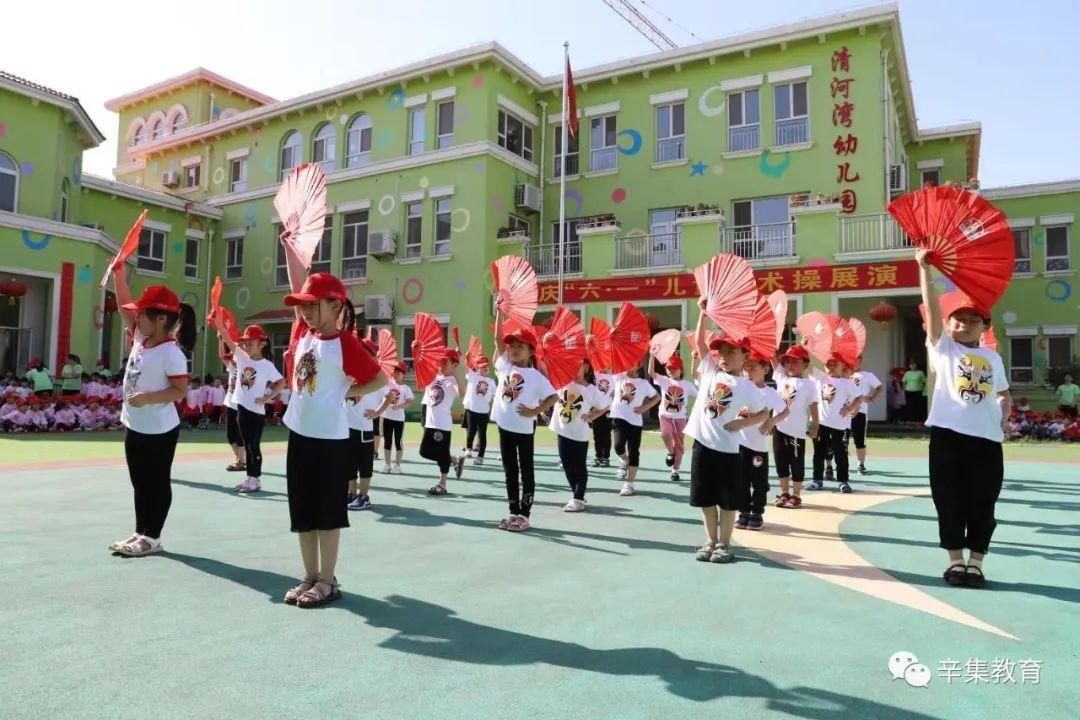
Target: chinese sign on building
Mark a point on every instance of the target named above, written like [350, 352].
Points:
[843, 119]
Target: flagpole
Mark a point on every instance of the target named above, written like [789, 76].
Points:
[562, 170]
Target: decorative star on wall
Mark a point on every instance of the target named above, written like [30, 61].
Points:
[698, 168]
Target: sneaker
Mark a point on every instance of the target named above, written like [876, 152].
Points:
[249, 486]
[675, 476]
[781, 500]
[386, 469]
[829, 473]
[350, 498]
[396, 470]
[627, 489]
[862, 469]
[721, 554]
[507, 521]
[519, 524]
[704, 552]
[669, 460]
[754, 522]
[478, 460]
[574, 505]
[740, 522]
[607, 462]
[815, 485]
[459, 466]
[360, 502]
[846, 488]
[621, 473]
[597, 462]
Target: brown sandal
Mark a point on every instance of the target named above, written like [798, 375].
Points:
[236, 467]
[316, 596]
[437, 489]
[294, 593]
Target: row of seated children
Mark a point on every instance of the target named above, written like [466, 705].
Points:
[1043, 426]
[34, 414]
[203, 406]
[95, 387]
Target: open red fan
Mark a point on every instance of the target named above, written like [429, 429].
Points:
[629, 338]
[816, 330]
[763, 331]
[845, 343]
[454, 333]
[301, 204]
[779, 304]
[730, 291]
[516, 291]
[860, 333]
[563, 348]
[386, 355]
[474, 356]
[228, 321]
[428, 349]
[539, 331]
[969, 239]
[127, 249]
[664, 344]
[598, 345]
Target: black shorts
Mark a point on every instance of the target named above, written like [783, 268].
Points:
[317, 477]
[361, 454]
[858, 430]
[715, 478]
[375, 428]
[789, 454]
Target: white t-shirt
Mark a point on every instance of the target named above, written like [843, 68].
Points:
[674, 396]
[630, 393]
[721, 397]
[478, 393]
[867, 382]
[966, 384]
[398, 394]
[252, 379]
[518, 387]
[752, 437]
[323, 371]
[439, 398]
[799, 394]
[355, 408]
[150, 370]
[576, 400]
[230, 387]
[833, 394]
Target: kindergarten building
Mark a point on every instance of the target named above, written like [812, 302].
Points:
[783, 146]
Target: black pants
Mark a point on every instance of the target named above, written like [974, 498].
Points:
[149, 461]
[914, 405]
[573, 454]
[232, 428]
[627, 441]
[393, 430]
[476, 424]
[601, 434]
[435, 446]
[966, 474]
[67, 393]
[858, 430]
[423, 415]
[517, 459]
[1069, 410]
[832, 441]
[251, 430]
[361, 454]
[790, 456]
[754, 466]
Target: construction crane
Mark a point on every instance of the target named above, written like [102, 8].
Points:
[642, 24]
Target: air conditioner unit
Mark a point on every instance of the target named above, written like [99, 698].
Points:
[528, 196]
[170, 179]
[377, 307]
[897, 178]
[381, 243]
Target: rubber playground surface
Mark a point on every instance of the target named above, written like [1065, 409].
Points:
[601, 614]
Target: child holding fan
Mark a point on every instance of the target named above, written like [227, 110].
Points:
[869, 385]
[580, 403]
[839, 400]
[439, 421]
[754, 446]
[675, 392]
[232, 423]
[362, 413]
[789, 436]
[477, 409]
[399, 397]
[601, 426]
[634, 396]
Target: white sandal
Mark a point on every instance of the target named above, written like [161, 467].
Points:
[140, 547]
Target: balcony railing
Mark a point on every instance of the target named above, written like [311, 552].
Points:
[744, 138]
[644, 251]
[571, 165]
[871, 233]
[759, 242]
[794, 131]
[603, 159]
[670, 149]
[545, 258]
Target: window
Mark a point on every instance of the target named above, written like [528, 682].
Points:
[664, 238]
[545, 258]
[320, 261]
[191, 258]
[414, 226]
[325, 150]
[191, 176]
[64, 201]
[157, 129]
[602, 152]
[179, 121]
[238, 175]
[1022, 238]
[744, 121]
[932, 177]
[234, 258]
[1021, 361]
[572, 164]
[670, 132]
[792, 118]
[9, 183]
[151, 253]
[354, 246]
[1059, 351]
[1057, 248]
[358, 142]
[417, 128]
[442, 227]
[515, 224]
[515, 135]
[281, 269]
[444, 122]
[290, 153]
[140, 135]
[279, 343]
[762, 228]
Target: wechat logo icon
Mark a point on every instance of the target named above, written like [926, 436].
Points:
[903, 665]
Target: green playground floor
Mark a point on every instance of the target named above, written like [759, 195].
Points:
[603, 614]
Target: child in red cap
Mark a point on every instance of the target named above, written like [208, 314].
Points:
[400, 397]
[789, 436]
[675, 393]
[439, 422]
[839, 400]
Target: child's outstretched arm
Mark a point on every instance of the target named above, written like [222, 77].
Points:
[700, 344]
[123, 297]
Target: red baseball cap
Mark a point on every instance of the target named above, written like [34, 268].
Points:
[253, 332]
[401, 368]
[720, 338]
[957, 300]
[522, 334]
[156, 297]
[674, 363]
[796, 352]
[452, 355]
[318, 286]
[841, 358]
[761, 358]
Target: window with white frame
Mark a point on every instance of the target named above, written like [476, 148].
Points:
[414, 229]
[64, 201]
[931, 177]
[179, 121]
[238, 174]
[417, 129]
[572, 155]
[354, 245]
[358, 141]
[234, 258]
[1057, 248]
[192, 175]
[151, 253]
[191, 258]
[9, 183]
[281, 268]
[443, 211]
[324, 150]
[279, 343]
[515, 135]
[444, 125]
[670, 132]
[320, 261]
[603, 154]
[744, 121]
[515, 224]
[140, 135]
[1022, 240]
[157, 129]
[1059, 351]
[792, 113]
[1021, 361]
[290, 153]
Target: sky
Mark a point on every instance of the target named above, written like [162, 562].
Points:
[1007, 64]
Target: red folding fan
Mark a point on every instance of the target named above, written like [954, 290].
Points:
[816, 330]
[860, 334]
[454, 334]
[428, 349]
[763, 330]
[969, 239]
[474, 355]
[845, 343]
[629, 338]
[386, 355]
[127, 249]
[598, 345]
[730, 291]
[664, 344]
[778, 302]
[228, 321]
[516, 291]
[538, 332]
[563, 348]
[301, 204]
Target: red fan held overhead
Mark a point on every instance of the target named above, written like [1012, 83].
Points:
[386, 355]
[301, 205]
[215, 294]
[127, 249]
[860, 333]
[474, 356]
[778, 303]
[664, 344]
[816, 330]
[763, 342]
[563, 348]
[516, 291]
[629, 338]
[598, 345]
[428, 349]
[228, 321]
[730, 291]
[845, 344]
[969, 239]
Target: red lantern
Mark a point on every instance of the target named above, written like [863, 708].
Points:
[110, 304]
[883, 313]
[13, 289]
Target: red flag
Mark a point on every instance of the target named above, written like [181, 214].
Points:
[571, 102]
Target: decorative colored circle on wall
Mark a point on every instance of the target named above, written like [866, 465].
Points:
[243, 297]
[424, 183]
[387, 204]
[817, 262]
[480, 168]
[774, 171]
[717, 169]
[396, 99]
[266, 265]
[98, 316]
[219, 176]
[461, 284]
[461, 225]
[27, 169]
[33, 244]
[384, 139]
[575, 196]
[703, 102]
[3, 130]
[618, 195]
[635, 142]
[1040, 237]
[412, 291]
[343, 118]
[478, 81]
[191, 299]
[331, 113]
[1058, 290]
[85, 276]
[178, 247]
[1008, 317]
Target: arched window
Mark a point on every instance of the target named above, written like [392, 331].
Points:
[290, 153]
[9, 183]
[358, 141]
[157, 129]
[324, 151]
[64, 201]
[179, 121]
[140, 135]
